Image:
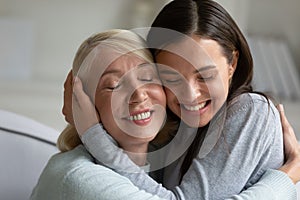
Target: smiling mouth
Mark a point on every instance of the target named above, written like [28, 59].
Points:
[195, 107]
[140, 116]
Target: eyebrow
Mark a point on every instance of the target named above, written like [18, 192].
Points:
[110, 72]
[208, 67]
[114, 71]
[171, 72]
[144, 65]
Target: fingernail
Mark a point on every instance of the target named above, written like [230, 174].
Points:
[76, 79]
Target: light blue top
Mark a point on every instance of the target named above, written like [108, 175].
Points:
[73, 175]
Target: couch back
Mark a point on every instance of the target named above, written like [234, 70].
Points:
[25, 148]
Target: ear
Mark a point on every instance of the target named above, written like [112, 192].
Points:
[233, 64]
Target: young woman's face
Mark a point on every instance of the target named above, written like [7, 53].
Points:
[196, 78]
[130, 100]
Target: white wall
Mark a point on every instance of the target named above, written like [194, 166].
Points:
[271, 18]
[277, 18]
[238, 9]
[57, 28]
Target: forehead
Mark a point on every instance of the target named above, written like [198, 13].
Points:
[191, 52]
[125, 62]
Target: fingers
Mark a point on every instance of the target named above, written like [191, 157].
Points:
[84, 111]
[291, 148]
[68, 81]
[67, 104]
[81, 97]
[286, 126]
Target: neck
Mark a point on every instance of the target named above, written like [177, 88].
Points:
[137, 153]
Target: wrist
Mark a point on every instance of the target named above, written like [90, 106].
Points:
[292, 169]
[137, 153]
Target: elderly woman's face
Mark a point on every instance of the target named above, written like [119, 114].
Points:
[196, 76]
[130, 100]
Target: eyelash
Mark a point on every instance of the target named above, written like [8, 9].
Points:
[146, 79]
[113, 88]
[200, 78]
[172, 81]
[119, 84]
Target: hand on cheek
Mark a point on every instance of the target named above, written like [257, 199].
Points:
[84, 112]
[67, 107]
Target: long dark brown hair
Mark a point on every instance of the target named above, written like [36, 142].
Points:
[208, 20]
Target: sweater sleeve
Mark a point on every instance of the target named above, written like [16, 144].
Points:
[73, 175]
[100, 183]
[106, 152]
[272, 185]
[250, 144]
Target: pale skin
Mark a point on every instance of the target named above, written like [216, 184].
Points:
[128, 88]
[197, 78]
[291, 148]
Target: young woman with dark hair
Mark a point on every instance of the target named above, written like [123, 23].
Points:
[206, 69]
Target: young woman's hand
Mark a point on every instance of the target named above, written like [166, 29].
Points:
[291, 148]
[85, 114]
[78, 109]
[68, 93]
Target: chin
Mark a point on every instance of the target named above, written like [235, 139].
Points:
[196, 123]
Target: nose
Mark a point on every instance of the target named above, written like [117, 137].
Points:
[139, 95]
[191, 91]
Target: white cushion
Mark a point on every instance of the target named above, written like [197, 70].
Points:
[25, 148]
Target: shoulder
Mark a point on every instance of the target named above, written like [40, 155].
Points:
[251, 103]
[63, 162]
[74, 175]
[74, 164]
[254, 116]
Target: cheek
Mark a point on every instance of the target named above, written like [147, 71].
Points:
[103, 106]
[169, 95]
[157, 94]
[219, 87]
[172, 101]
[218, 90]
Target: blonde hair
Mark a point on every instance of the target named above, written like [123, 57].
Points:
[121, 41]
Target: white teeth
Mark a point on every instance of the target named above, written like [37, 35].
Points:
[195, 108]
[140, 116]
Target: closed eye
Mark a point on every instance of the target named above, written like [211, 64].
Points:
[207, 76]
[146, 78]
[113, 87]
[172, 80]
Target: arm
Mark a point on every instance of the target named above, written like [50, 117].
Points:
[74, 175]
[273, 184]
[143, 178]
[100, 183]
[291, 148]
